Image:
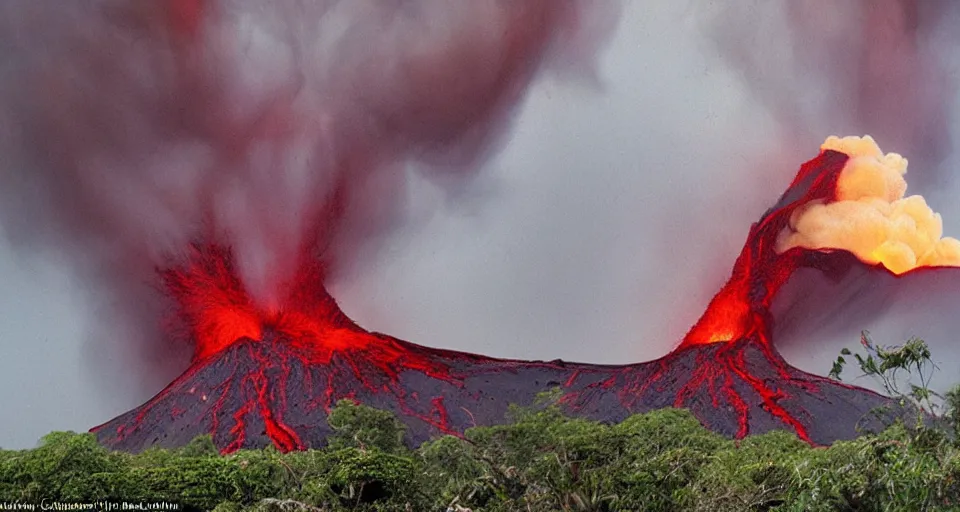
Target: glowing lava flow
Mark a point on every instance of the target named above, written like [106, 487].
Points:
[306, 331]
[742, 306]
[835, 184]
[269, 376]
[852, 202]
[218, 312]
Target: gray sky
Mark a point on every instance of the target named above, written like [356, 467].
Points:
[598, 234]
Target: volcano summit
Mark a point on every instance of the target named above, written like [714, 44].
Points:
[261, 377]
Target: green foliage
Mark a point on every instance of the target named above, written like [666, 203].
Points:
[359, 477]
[202, 446]
[952, 414]
[894, 367]
[541, 461]
[66, 465]
[362, 427]
[905, 371]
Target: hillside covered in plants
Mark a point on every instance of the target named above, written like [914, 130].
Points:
[539, 461]
[663, 460]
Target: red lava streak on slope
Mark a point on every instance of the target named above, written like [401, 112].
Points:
[742, 306]
[741, 310]
[218, 315]
[264, 376]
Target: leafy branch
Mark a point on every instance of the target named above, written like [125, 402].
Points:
[905, 371]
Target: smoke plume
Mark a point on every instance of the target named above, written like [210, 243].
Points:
[132, 129]
[887, 68]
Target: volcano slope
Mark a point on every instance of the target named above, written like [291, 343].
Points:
[270, 377]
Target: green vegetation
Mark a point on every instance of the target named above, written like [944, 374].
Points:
[905, 372]
[541, 461]
[664, 460]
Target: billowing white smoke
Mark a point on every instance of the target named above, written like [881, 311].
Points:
[132, 128]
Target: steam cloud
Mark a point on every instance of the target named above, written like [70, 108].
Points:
[133, 128]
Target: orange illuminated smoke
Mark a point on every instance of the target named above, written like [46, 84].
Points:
[870, 215]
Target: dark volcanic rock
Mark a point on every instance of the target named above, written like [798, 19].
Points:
[260, 392]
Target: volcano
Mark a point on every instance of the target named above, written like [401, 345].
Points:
[261, 377]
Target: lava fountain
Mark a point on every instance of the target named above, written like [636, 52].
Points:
[262, 376]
